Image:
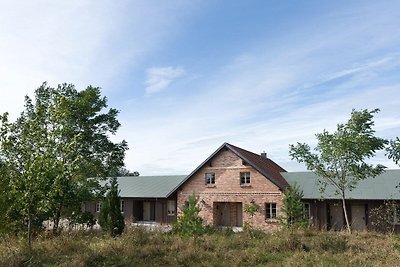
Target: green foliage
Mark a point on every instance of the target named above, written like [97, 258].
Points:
[60, 139]
[189, 222]
[393, 151]
[111, 219]
[85, 219]
[251, 209]
[382, 217]
[341, 158]
[293, 208]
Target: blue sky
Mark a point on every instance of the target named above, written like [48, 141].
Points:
[188, 76]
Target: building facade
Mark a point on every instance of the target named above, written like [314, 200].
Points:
[232, 179]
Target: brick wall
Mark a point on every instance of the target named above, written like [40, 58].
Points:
[227, 168]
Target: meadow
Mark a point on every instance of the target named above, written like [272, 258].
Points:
[137, 247]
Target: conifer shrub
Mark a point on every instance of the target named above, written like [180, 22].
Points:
[110, 219]
[189, 222]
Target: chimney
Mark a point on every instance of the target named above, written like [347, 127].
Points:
[264, 154]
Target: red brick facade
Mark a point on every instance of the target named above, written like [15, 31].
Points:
[223, 203]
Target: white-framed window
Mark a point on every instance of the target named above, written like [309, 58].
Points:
[122, 205]
[270, 211]
[210, 178]
[396, 214]
[306, 211]
[171, 207]
[98, 206]
[245, 178]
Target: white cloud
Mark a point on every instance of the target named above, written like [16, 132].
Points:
[80, 42]
[159, 78]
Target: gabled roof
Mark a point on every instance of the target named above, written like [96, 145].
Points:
[381, 187]
[265, 166]
[148, 186]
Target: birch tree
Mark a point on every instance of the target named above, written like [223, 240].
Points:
[340, 159]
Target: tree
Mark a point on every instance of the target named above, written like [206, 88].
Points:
[393, 151]
[48, 153]
[189, 222]
[340, 158]
[110, 219]
[293, 208]
[125, 172]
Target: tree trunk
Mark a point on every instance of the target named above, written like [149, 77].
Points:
[29, 231]
[56, 220]
[345, 215]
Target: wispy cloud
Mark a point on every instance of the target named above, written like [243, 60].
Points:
[159, 78]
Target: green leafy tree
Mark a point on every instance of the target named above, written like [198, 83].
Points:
[48, 153]
[189, 222]
[340, 158]
[27, 160]
[111, 219]
[293, 208]
[394, 150]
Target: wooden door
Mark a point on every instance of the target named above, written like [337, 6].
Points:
[358, 221]
[226, 214]
[148, 211]
[336, 212]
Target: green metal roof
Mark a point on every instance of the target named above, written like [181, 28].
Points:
[148, 186]
[381, 187]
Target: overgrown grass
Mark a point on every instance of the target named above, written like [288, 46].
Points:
[138, 247]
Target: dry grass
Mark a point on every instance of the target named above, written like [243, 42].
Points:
[140, 248]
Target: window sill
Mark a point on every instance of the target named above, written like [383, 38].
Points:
[210, 185]
[245, 185]
[271, 220]
[170, 215]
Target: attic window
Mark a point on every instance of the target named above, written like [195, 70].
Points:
[244, 162]
[210, 179]
[210, 163]
[245, 178]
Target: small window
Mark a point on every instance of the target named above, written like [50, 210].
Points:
[270, 211]
[122, 205]
[210, 178]
[245, 178]
[307, 211]
[98, 206]
[171, 207]
[396, 215]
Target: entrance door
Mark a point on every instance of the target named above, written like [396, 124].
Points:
[358, 221]
[225, 214]
[148, 211]
[228, 214]
[336, 217]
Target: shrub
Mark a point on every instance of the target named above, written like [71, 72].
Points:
[110, 219]
[382, 217]
[293, 208]
[189, 222]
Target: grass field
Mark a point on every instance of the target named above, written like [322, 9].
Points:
[142, 248]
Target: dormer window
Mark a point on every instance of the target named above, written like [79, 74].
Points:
[210, 179]
[244, 178]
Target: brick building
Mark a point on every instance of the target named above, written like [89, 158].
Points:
[230, 179]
